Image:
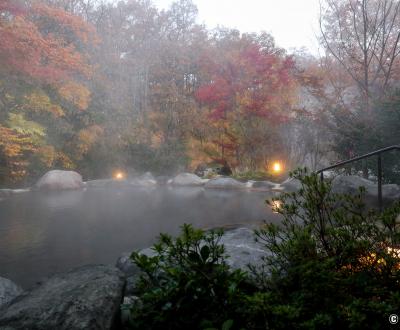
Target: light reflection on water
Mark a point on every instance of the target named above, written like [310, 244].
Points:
[43, 233]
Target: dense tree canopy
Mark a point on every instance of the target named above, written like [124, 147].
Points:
[95, 85]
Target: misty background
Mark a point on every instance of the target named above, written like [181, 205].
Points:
[96, 86]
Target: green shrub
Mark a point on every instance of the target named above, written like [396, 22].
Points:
[187, 284]
[329, 267]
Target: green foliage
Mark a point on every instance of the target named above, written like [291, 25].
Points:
[187, 284]
[259, 176]
[25, 127]
[330, 266]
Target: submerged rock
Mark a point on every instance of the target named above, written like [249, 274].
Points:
[225, 183]
[188, 179]
[60, 180]
[87, 298]
[8, 291]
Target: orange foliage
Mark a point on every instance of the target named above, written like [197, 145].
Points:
[27, 48]
[86, 138]
[39, 102]
[75, 93]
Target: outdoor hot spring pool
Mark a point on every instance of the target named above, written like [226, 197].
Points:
[43, 233]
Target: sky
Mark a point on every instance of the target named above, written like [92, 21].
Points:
[293, 23]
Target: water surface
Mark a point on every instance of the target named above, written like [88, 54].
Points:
[44, 233]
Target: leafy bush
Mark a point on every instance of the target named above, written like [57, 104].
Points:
[331, 266]
[187, 284]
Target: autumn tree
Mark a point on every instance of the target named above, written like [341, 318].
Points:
[248, 94]
[42, 72]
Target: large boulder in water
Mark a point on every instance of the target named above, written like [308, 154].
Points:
[87, 298]
[8, 291]
[188, 179]
[349, 184]
[225, 183]
[145, 180]
[60, 180]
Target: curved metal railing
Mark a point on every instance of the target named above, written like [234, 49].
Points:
[377, 153]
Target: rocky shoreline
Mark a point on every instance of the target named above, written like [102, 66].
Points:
[70, 180]
[90, 297]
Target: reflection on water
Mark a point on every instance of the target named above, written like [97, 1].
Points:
[43, 233]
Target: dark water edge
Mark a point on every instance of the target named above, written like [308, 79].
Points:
[45, 233]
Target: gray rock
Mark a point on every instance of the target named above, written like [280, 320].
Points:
[239, 243]
[267, 185]
[8, 291]
[349, 184]
[242, 248]
[147, 176]
[9, 192]
[126, 265]
[5, 193]
[391, 191]
[188, 179]
[225, 183]
[145, 180]
[102, 183]
[290, 185]
[162, 180]
[60, 180]
[88, 297]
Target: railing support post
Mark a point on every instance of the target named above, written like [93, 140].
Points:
[380, 203]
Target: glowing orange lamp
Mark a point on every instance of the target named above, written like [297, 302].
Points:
[119, 175]
[277, 167]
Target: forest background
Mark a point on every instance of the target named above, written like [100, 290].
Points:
[95, 86]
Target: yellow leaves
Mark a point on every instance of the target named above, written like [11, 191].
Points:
[86, 138]
[47, 155]
[75, 93]
[197, 152]
[26, 128]
[65, 161]
[373, 260]
[13, 147]
[39, 102]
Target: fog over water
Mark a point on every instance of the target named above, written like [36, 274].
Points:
[44, 233]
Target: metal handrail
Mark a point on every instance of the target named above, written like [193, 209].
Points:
[370, 154]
